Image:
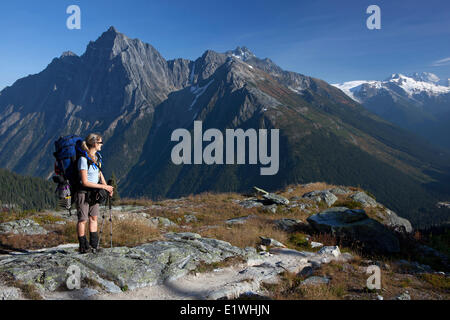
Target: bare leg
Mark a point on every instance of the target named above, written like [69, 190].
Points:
[81, 228]
[93, 224]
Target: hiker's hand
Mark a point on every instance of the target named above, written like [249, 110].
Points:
[109, 189]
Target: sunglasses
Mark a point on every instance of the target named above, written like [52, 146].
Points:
[100, 142]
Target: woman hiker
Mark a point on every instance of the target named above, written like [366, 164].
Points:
[91, 180]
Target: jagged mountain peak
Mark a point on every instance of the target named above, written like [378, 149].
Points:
[110, 43]
[395, 76]
[68, 54]
[110, 35]
[242, 53]
[112, 29]
[425, 77]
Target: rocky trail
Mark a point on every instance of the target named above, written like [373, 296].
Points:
[186, 265]
[173, 279]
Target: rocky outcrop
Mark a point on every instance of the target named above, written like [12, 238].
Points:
[356, 225]
[271, 198]
[391, 219]
[364, 199]
[24, 227]
[276, 199]
[159, 264]
[289, 225]
[271, 242]
[122, 267]
[324, 196]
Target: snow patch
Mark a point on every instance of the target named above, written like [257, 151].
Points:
[198, 91]
[191, 76]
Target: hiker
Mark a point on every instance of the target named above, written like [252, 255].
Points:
[91, 182]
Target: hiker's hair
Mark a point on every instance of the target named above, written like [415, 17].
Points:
[90, 141]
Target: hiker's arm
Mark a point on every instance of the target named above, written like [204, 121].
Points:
[86, 183]
[103, 181]
[102, 178]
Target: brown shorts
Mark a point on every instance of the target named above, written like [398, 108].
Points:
[84, 209]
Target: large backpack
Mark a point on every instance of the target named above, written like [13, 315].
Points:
[67, 152]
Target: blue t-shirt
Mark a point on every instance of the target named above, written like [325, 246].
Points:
[93, 171]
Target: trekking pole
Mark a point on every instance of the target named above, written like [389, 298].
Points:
[110, 219]
[110, 213]
[101, 228]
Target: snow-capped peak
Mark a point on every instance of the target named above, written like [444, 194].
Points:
[425, 77]
[241, 53]
[394, 76]
[423, 82]
[417, 83]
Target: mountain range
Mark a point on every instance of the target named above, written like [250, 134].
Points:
[419, 102]
[124, 89]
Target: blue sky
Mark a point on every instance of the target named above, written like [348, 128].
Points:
[327, 39]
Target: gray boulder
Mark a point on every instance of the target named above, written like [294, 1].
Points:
[9, 293]
[271, 242]
[314, 280]
[161, 222]
[330, 250]
[364, 199]
[240, 220]
[355, 225]
[250, 203]
[319, 196]
[288, 225]
[272, 208]
[404, 296]
[340, 191]
[275, 198]
[25, 227]
[271, 197]
[391, 219]
[316, 244]
[188, 218]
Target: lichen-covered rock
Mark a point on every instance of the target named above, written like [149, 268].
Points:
[250, 203]
[275, 198]
[161, 222]
[340, 191]
[123, 267]
[25, 227]
[314, 280]
[364, 199]
[128, 208]
[9, 293]
[331, 250]
[323, 195]
[391, 219]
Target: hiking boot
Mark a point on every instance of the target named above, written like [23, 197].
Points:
[84, 245]
[93, 241]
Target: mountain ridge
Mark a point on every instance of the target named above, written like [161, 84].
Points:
[419, 103]
[126, 90]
